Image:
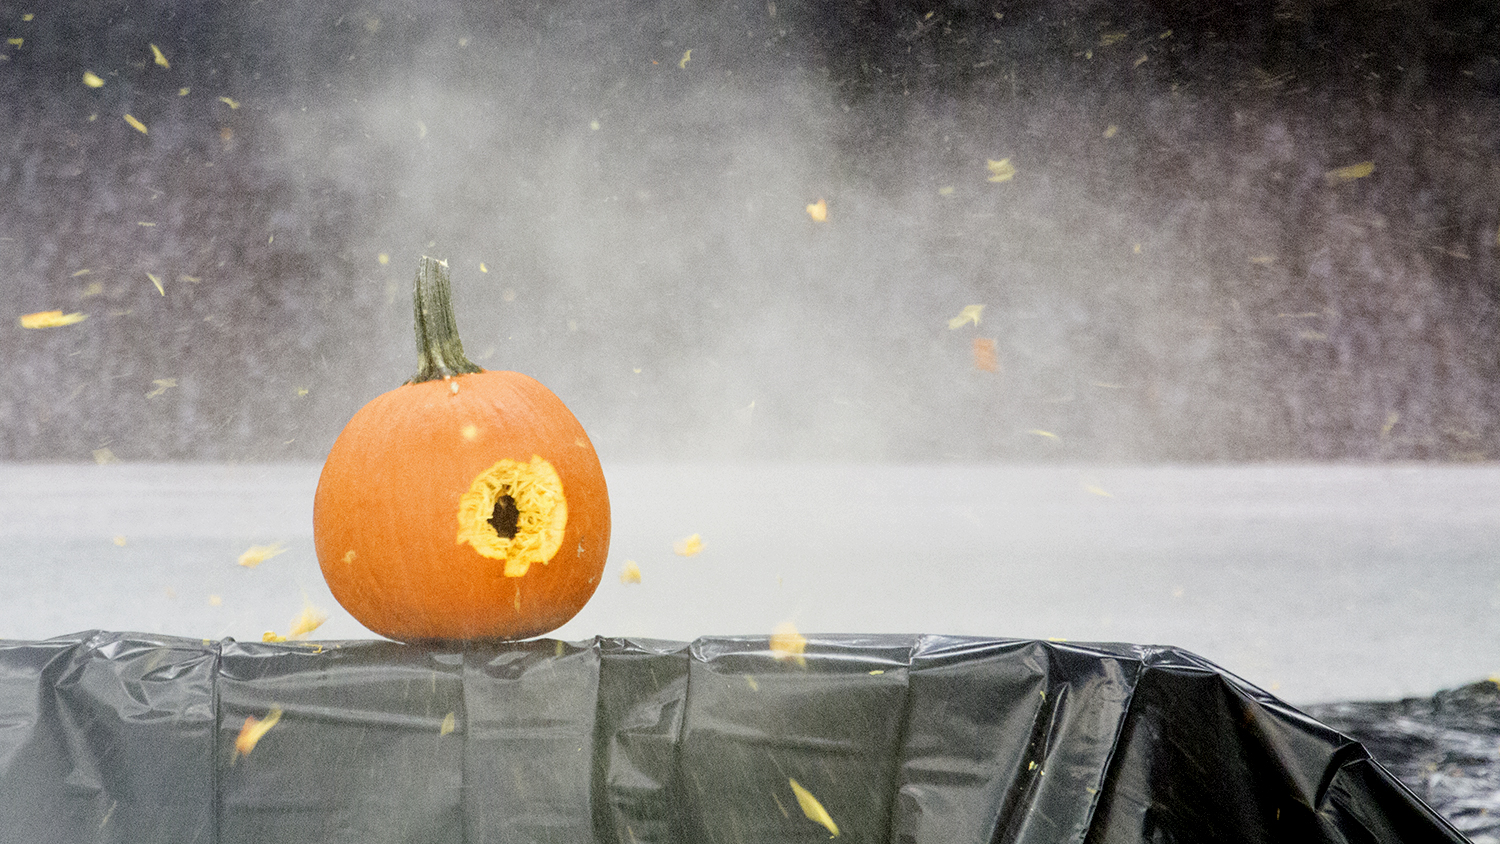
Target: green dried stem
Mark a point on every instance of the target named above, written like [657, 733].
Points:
[440, 354]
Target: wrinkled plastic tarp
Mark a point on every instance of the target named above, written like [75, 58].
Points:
[129, 738]
[1446, 748]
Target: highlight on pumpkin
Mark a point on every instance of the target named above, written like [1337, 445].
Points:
[515, 512]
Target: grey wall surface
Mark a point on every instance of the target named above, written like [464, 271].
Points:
[1181, 267]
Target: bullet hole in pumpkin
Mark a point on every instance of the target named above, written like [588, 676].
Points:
[506, 517]
[529, 528]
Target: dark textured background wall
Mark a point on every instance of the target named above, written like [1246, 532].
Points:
[1177, 271]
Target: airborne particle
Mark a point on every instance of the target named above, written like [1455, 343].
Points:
[985, 359]
[51, 319]
[449, 723]
[786, 643]
[1000, 171]
[686, 57]
[969, 314]
[813, 809]
[1350, 173]
[136, 124]
[631, 573]
[311, 619]
[91, 80]
[233, 104]
[160, 59]
[818, 211]
[254, 730]
[688, 546]
[257, 554]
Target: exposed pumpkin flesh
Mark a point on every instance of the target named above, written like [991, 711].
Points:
[515, 512]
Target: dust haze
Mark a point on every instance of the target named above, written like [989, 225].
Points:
[1192, 260]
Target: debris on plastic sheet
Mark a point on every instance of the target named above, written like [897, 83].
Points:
[924, 739]
[1445, 748]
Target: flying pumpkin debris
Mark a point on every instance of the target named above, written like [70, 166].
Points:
[136, 124]
[689, 546]
[813, 809]
[160, 58]
[631, 573]
[818, 211]
[257, 554]
[254, 730]
[1001, 171]
[969, 314]
[985, 358]
[1350, 173]
[311, 619]
[51, 319]
[92, 80]
[786, 643]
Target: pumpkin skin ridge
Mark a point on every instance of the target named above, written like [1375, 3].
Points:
[404, 460]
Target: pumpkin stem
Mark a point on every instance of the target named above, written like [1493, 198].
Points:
[440, 354]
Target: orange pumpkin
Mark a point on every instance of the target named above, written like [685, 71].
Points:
[464, 504]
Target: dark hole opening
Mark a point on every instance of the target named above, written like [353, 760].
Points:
[506, 517]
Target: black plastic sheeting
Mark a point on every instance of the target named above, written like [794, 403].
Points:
[131, 738]
[1446, 748]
